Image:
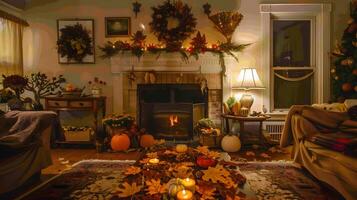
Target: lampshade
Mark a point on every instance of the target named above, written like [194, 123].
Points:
[248, 79]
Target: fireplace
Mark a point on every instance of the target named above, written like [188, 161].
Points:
[170, 111]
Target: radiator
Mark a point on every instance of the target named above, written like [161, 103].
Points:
[274, 129]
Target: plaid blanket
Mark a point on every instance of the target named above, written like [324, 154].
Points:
[341, 142]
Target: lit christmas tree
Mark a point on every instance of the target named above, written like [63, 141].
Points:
[344, 73]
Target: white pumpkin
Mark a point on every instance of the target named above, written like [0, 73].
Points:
[231, 143]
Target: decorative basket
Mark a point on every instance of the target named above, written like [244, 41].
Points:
[78, 136]
[211, 141]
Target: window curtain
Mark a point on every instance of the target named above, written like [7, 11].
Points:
[11, 61]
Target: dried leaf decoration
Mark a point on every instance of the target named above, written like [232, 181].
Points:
[168, 152]
[155, 187]
[144, 161]
[232, 198]
[182, 172]
[207, 192]
[213, 154]
[203, 150]
[152, 155]
[216, 174]
[132, 170]
[128, 190]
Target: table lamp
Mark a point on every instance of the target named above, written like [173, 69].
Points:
[248, 79]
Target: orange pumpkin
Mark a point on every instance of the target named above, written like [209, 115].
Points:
[147, 140]
[120, 142]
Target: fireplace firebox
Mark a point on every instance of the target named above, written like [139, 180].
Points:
[169, 111]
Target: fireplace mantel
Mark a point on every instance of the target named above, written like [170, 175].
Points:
[207, 63]
[167, 62]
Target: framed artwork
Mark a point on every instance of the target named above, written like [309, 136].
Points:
[75, 41]
[117, 26]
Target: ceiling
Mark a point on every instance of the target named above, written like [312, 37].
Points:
[17, 3]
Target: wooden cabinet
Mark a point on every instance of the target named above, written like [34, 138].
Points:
[95, 105]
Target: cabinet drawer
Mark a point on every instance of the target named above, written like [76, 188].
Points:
[53, 103]
[80, 104]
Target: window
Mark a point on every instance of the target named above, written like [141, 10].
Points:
[295, 54]
[10, 47]
[292, 67]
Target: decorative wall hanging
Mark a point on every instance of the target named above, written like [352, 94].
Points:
[75, 42]
[172, 23]
[226, 23]
[136, 8]
[117, 26]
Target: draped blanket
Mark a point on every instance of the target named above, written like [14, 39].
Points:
[24, 146]
[306, 127]
[20, 129]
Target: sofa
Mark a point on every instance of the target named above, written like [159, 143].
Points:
[24, 146]
[336, 168]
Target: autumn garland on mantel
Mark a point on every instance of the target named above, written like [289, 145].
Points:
[198, 46]
[164, 16]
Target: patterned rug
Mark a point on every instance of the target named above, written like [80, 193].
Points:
[99, 179]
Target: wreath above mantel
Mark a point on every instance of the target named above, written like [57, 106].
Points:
[172, 23]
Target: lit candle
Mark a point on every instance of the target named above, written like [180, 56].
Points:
[181, 148]
[189, 184]
[154, 161]
[184, 195]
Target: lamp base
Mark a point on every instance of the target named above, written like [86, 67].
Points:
[247, 102]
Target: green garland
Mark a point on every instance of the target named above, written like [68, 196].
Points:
[111, 49]
[75, 43]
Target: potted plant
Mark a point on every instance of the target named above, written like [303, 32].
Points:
[41, 86]
[208, 134]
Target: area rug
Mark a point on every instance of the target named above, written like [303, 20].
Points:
[99, 179]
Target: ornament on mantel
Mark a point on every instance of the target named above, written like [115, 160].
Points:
[201, 79]
[207, 9]
[179, 78]
[136, 8]
[150, 77]
[198, 43]
[132, 76]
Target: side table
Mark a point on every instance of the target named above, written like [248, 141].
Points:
[92, 104]
[242, 120]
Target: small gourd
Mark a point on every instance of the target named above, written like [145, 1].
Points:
[174, 186]
[231, 143]
[147, 140]
[120, 142]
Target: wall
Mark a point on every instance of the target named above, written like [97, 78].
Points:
[40, 39]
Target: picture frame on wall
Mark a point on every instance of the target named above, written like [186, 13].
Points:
[117, 26]
[71, 48]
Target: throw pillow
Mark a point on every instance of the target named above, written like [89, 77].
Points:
[352, 112]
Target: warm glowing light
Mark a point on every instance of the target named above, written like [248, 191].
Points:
[184, 195]
[173, 120]
[154, 161]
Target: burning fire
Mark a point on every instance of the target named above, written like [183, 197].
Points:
[173, 120]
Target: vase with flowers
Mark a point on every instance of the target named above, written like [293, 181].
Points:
[96, 86]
